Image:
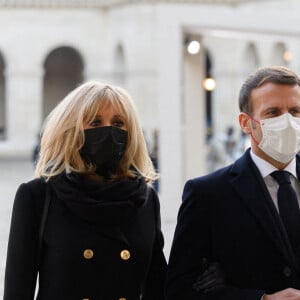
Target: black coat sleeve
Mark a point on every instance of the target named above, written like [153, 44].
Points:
[191, 246]
[21, 261]
[155, 281]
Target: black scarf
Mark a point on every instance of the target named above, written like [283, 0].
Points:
[109, 203]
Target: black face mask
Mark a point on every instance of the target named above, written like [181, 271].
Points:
[104, 147]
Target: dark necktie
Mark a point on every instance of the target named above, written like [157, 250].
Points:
[288, 206]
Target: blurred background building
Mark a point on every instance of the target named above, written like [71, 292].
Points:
[182, 61]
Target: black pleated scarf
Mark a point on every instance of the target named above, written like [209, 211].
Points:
[109, 203]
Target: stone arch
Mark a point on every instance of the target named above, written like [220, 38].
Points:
[63, 71]
[251, 59]
[2, 99]
[119, 66]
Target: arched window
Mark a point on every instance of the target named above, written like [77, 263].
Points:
[119, 66]
[2, 100]
[250, 61]
[280, 56]
[208, 95]
[63, 72]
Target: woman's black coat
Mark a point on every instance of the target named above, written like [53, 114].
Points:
[110, 251]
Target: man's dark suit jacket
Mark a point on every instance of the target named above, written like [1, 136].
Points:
[229, 217]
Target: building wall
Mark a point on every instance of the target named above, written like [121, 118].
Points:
[28, 36]
[140, 45]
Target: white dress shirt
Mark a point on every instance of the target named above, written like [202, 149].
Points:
[266, 169]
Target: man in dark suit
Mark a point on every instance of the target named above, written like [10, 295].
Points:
[234, 239]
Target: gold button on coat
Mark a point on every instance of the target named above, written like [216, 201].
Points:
[125, 255]
[88, 253]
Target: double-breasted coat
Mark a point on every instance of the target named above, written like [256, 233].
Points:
[229, 217]
[111, 250]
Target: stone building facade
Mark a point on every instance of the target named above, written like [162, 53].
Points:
[47, 47]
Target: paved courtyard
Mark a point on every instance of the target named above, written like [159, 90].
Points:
[12, 174]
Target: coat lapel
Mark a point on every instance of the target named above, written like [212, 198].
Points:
[247, 181]
[113, 233]
[298, 175]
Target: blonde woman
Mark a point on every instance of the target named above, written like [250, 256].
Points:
[99, 237]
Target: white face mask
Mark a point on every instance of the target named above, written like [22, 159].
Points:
[280, 137]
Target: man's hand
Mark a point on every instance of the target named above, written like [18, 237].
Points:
[211, 279]
[287, 294]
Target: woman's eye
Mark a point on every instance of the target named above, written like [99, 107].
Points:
[95, 123]
[118, 124]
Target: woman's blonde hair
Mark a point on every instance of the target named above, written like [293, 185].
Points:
[63, 133]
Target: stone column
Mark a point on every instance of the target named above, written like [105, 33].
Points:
[170, 115]
[194, 116]
[24, 111]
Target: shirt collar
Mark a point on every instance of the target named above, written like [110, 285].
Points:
[266, 168]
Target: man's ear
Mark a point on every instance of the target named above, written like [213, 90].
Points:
[245, 121]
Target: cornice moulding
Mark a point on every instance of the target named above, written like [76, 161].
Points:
[107, 3]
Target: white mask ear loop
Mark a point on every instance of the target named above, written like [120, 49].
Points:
[256, 121]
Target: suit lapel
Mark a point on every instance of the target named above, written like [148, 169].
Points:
[247, 181]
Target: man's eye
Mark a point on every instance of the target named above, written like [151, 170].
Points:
[272, 113]
[295, 112]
